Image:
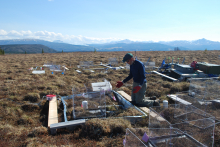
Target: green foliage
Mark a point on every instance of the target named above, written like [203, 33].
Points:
[2, 52]
[42, 51]
[94, 50]
[62, 51]
[205, 52]
[25, 52]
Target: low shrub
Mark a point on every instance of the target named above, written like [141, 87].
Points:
[153, 92]
[166, 84]
[32, 97]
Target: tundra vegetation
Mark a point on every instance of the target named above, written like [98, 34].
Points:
[24, 124]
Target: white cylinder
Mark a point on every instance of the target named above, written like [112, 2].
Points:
[165, 103]
[85, 104]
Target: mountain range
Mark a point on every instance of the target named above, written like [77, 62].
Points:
[28, 48]
[200, 44]
[57, 45]
[122, 45]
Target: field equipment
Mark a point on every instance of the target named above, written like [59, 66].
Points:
[183, 71]
[38, 71]
[207, 68]
[168, 66]
[165, 66]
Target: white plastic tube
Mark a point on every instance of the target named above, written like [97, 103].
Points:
[85, 104]
[165, 103]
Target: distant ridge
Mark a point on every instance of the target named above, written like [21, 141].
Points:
[53, 45]
[200, 44]
[28, 48]
[137, 46]
[122, 45]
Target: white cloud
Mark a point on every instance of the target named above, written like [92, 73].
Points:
[3, 32]
[39, 33]
[51, 36]
[26, 33]
[14, 33]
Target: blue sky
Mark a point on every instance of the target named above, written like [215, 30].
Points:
[100, 21]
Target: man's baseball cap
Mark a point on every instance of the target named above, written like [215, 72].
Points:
[127, 57]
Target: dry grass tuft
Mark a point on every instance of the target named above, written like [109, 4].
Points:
[95, 128]
[30, 107]
[25, 120]
[142, 123]
[32, 97]
[38, 131]
[130, 112]
[7, 129]
[168, 114]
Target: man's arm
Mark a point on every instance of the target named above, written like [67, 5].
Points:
[128, 78]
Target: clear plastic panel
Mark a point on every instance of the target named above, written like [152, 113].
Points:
[171, 137]
[90, 105]
[198, 87]
[201, 130]
[113, 61]
[98, 84]
[56, 68]
[134, 136]
[86, 64]
[176, 113]
[48, 64]
[156, 120]
[211, 107]
[212, 90]
[127, 66]
[149, 65]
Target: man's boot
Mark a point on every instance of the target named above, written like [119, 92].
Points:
[153, 98]
[156, 103]
[133, 102]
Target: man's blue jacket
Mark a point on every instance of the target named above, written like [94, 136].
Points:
[137, 72]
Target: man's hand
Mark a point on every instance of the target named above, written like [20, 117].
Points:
[136, 89]
[119, 84]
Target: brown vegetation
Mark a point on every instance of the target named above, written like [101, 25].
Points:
[25, 124]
